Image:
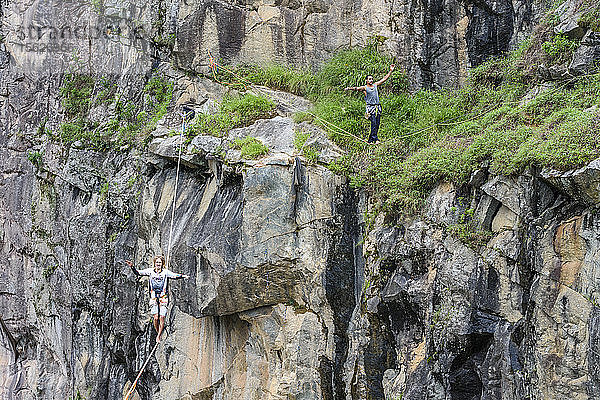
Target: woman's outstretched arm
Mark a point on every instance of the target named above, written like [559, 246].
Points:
[134, 269]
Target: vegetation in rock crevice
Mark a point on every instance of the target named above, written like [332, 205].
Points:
[559, 49]
[36, 158]
[235, 111]
[310, 152]
[250, 147]
[99, 116]
[466, 230]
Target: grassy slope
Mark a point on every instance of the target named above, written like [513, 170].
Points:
[430, 136]
[426, 136]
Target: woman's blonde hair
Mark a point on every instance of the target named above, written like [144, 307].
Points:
[156, 258]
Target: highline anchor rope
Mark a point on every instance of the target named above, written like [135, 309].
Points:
[183, 116]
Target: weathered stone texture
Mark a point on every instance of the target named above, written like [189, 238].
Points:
[284, 299]
[289, 297]
[510, 319]
[268, 247]
[434, 41]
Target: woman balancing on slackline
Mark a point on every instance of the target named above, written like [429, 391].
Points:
[372, 99]
[157, 285]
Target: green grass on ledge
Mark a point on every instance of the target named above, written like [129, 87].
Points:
[234, 111]
[429, 136]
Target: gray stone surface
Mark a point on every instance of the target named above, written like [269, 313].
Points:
[276, 133]
[512, 192]
[318, 141]
[287, 103]
[289, 297]
[569, 13]
[582, 184]
[474, 322]
[486, 211]
[250, 238]
[587, 55]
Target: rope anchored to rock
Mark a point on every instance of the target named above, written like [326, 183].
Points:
[133, 386]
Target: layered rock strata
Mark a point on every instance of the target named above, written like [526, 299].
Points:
[434, 42]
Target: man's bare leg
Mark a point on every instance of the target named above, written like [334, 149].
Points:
[161, 327]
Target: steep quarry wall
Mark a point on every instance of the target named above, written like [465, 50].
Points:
[268, 247]
[433, 41]
[511, 319]
[296, 291]
[287, 298]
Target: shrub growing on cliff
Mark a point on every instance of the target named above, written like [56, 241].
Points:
[234, 112]
[250, 147]
[347, 68]
[36, 158]
[76, 92]
[130, 120]
[466, 230]
[85, 133]
[559, 49]
[248, 108]
[300, 82]
[351, 67]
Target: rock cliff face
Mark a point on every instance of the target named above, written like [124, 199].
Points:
[271, 249]
[509, 320]
[289, 296]
[434, 41]
[295, 292]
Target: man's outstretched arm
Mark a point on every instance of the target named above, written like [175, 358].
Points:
[385, 78]
[357, 88]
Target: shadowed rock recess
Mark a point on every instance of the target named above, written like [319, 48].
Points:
[296, 291]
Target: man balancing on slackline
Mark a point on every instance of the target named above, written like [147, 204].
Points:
[157, 284]
[373, 113]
